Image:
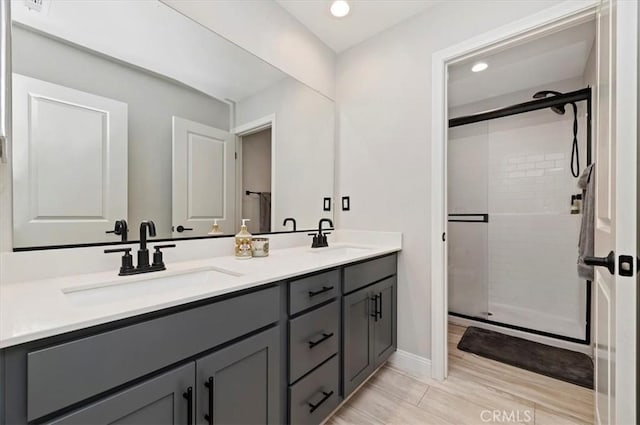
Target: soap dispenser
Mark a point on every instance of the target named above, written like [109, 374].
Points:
[243, 241]
[215, 230]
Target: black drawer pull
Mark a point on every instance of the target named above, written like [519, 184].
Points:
[375, 307]
[209, 416]
[189, 396]
[318, 404]
[321, 291]
[380, 309]
[324, 338]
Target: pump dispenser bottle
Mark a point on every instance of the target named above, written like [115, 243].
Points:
[243, 242]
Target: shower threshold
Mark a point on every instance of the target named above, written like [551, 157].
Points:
[585, 341]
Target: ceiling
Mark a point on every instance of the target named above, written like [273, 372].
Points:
[366, 18]
[556, 57]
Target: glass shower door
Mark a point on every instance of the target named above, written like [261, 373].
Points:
[467, 232]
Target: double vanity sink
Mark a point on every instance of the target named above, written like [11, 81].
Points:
[205, 277]
[281, 339]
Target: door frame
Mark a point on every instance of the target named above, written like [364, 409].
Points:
[262, 123]
[552, 19]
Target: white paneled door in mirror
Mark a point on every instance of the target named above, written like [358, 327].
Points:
[69, 163]
[203, 186]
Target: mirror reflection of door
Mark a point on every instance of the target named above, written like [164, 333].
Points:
[256, 180]
[69, 163]
[203, 179]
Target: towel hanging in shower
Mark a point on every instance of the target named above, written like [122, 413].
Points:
[265, 212]
[586, 182]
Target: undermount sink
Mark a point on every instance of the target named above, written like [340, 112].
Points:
[341, 250]
[144, 285]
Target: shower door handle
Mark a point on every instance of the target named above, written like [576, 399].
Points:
[609, 262]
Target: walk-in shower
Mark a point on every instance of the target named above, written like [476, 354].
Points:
[512, 232]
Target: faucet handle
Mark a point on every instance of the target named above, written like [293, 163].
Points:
[157, 255]
[315, 243]
[126, 264]
[159, 247]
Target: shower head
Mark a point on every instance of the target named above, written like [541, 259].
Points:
[546, 93]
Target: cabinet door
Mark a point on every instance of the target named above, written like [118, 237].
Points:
[358, 339]
[240, 384]
[384, 324]
[157, 401]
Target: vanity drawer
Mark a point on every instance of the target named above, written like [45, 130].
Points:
[313, 290]
[363, 274]
[312, 399]
[64, 374]
[313, 338]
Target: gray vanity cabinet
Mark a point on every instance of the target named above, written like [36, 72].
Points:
[369, 319]
[240, 384]
[384, 325]
[358, 337]
[163, 400]
[286, 352]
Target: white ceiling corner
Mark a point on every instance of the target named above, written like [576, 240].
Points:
[366, 18]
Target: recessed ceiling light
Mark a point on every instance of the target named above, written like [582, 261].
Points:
[340, 8]
[479, 66]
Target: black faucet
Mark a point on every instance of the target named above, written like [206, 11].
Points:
[320, 239]
[143, 252]
[290, 219]
[120, 229]
[127, 267]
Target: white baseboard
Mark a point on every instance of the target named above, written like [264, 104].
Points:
[411, 364]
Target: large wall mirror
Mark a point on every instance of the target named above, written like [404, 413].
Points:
[128, 110]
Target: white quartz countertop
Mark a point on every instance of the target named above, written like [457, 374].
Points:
[42, 308]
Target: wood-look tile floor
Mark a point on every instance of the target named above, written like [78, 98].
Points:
[476, 389]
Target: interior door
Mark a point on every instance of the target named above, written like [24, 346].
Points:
[615, 215]
[203, 186]
[69, 163]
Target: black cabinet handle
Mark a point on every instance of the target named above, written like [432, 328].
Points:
[375, 307]
[181, 228]
[318, 404]
[321, 291]
[379, 310]
[189, 396]
[209, 416]
[325, 337]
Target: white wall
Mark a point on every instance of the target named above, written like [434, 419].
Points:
[268, 31]
[383, 98]
[304, 153]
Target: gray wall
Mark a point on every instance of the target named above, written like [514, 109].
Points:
[152, 102]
